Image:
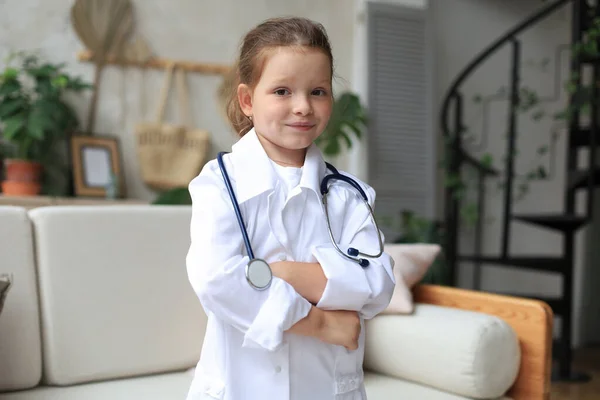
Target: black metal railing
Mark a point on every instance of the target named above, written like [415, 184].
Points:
[459, 156]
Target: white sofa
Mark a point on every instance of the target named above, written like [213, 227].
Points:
[101, 309]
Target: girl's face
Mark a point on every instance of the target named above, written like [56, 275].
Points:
[291, 103]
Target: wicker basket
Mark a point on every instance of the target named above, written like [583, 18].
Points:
[171, 155]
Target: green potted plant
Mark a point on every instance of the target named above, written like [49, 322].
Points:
[34, 121]
[348, 116]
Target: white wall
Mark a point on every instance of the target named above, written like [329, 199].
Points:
[198, 30]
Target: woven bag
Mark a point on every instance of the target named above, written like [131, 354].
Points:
[171, 155]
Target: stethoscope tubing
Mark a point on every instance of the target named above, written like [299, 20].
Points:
[235, 204]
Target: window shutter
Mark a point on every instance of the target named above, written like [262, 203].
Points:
[400, 141]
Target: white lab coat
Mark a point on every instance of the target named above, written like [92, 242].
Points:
[246, 354]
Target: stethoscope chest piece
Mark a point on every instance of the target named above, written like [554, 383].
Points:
[259, 274]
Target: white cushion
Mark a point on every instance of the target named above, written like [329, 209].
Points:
[381, 387]
[115, 297]
[20, 344]
[155, 387]
[470, 354]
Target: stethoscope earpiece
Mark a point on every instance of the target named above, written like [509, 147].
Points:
[353, 253]
[361, 261]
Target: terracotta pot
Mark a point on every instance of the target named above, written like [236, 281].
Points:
[22, 178]
[14, 188]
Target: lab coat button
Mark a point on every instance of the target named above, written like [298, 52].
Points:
[282, 257]
[278, 369]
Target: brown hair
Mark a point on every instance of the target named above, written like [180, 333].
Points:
[274, 32]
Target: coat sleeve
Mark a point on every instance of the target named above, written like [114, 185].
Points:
[216, 263]
[350, 286]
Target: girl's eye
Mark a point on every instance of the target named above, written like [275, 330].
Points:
[319, 92]
[281, 92]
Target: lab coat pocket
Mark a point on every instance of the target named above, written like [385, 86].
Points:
[349, 387]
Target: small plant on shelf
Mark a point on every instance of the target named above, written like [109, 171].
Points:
[35, 121]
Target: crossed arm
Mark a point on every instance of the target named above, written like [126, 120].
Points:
[316, 299]
[308, 279]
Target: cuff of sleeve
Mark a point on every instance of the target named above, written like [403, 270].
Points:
[283, 309]
[347, 286]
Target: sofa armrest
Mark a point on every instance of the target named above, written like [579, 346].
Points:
[466, 353]
[531, 320]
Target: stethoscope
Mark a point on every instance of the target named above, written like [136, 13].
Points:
[258, 272]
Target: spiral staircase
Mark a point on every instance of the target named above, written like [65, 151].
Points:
[567, 221]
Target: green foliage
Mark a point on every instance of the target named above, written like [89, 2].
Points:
[35, 119]
[347, 117]
[31, 105]
[177, 196]
[418, 229]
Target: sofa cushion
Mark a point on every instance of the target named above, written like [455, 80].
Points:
[381, 387]
[20, 344]
[115, 298]
[411, 262]
[176, 385]
[471, 354]
[154, 387]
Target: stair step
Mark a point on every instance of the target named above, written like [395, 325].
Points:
[560, 222]
[579, 179]
[583, 137]
[537, 263]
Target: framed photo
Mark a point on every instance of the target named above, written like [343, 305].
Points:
[97, 166]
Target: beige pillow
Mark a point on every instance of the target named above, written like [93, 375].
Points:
[411, 262]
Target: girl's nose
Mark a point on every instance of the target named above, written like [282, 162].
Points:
[302, 106]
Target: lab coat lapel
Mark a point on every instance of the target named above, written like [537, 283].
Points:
[250, 161]
[252, 168]
[255, 175]
[314, 170]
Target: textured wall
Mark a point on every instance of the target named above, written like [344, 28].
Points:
[200, 30]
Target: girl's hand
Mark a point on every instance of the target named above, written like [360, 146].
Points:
[341, 328]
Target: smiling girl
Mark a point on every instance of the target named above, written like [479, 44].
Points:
[301, 338]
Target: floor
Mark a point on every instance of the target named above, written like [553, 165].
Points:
[588, 361]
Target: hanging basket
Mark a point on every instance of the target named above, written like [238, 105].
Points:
[171, 155]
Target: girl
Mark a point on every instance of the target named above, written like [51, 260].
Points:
[301, 338]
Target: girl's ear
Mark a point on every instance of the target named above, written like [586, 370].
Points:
[244, 94]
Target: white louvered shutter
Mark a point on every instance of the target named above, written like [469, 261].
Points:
[401, 146]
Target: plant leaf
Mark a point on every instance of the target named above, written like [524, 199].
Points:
[10, 87]
[9, 107]
[13, 126]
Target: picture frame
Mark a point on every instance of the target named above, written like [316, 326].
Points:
[97, 167]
